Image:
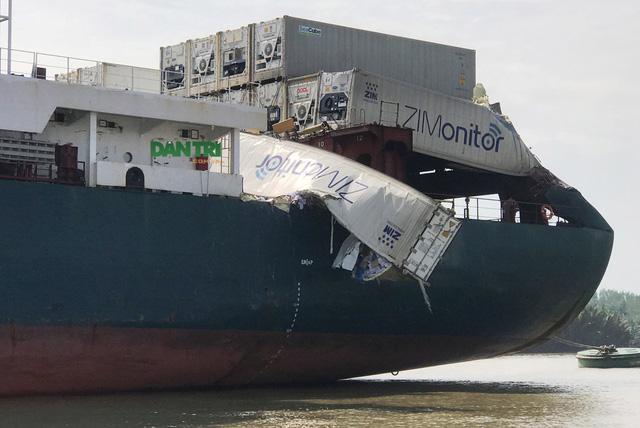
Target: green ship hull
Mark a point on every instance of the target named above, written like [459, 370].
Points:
[118, 289]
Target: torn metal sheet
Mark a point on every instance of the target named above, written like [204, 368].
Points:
[364, 264]
[386, 215]
[371, 266]
[348, 254]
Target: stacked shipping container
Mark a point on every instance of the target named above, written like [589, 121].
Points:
[175, 66]
[204, 69]
[272, 56]
[115, 76]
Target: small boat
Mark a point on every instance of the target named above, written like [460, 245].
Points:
[609, 357]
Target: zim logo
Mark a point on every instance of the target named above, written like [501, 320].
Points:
[326, 177]
[371, 91]
[371, 95]
[389, 236]
[420, 121]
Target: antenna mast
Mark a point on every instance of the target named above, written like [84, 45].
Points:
[8, 19]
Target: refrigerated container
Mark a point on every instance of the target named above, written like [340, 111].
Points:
[115, 76]
[291, 47]
[302, 99]
[333, 100]
[267, 50]
[175, 65]
[234, 58]
[235, 96]
[271, 96]
[139, 79]
[204, 69]
[73, 76]
[443, 126]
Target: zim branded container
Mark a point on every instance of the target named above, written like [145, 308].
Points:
[443, 126]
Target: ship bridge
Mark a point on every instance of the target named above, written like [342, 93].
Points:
[104, 137]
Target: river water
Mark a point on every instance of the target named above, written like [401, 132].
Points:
[514, 391]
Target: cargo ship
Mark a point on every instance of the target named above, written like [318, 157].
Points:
[148, 243]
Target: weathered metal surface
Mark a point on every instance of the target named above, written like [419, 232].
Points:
[310, 46]
[191, 291]
[29, 103]
[234, 58]
[205, 67]
[443, 127]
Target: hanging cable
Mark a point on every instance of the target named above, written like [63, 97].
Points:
[576, 344]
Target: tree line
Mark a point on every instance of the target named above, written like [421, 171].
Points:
[610, 318]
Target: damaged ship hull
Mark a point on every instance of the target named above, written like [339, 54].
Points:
[120, 289]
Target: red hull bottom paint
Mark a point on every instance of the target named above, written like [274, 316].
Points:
[97, 359]
[77, 359]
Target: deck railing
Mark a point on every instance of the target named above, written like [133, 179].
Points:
[27, 63]
[80, 71]
[490, 208]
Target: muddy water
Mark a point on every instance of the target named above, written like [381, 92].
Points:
[516, 391]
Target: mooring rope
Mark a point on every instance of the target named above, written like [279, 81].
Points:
[576, 344]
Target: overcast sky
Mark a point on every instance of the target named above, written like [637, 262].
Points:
[565, 72]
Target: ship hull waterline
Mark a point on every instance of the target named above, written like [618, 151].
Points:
[113, 289]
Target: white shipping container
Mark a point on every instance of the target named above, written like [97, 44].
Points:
[90, 76]
[116, 76]
[271, 96]
[302, 99]
[432, 244]
[443, 126]
[130, 78]
[72, 76]
[235, 96]
[288, 47]
[204, 70]
[333, 100]
[234, 58]
[83, 76]
[267, 50]
[175, 66]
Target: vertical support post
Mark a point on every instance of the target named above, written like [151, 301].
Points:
[9, 40]
[188, 71]
[235, 152]
[92, 137]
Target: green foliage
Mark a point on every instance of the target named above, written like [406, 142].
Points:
[623, 303]
[596, 326]
[610, 318]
